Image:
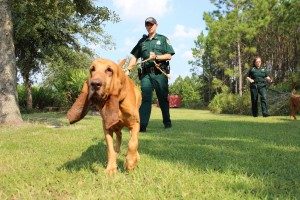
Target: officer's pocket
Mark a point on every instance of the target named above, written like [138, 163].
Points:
[159, 49]
[145, 53]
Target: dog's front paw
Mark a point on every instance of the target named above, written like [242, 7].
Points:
[111, 170]
[131, 161]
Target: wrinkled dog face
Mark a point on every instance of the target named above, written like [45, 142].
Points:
[101, 75]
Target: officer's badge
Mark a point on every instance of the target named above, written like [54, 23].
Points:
[158, 42]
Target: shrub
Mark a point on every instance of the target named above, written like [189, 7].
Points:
[230, 103]
[42, 97]
[189, 90]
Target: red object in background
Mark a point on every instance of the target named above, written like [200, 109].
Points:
[174, 101]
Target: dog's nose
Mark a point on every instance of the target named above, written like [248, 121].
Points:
[96, 83]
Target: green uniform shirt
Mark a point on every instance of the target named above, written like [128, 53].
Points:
[258, 75]
[159, 44]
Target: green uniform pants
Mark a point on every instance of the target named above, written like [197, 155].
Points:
[158, 82]
[261, 90]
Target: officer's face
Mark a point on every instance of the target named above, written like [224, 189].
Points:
[151, 28]
[258, 62]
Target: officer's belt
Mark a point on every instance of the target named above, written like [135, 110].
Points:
[259, 82]
[149, 68]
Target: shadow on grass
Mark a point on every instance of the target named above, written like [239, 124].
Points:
[91, 159]
[55, 119]
[95, 154]
[267, 151]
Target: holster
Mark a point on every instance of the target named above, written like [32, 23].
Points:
[164, 66]
[140, 74]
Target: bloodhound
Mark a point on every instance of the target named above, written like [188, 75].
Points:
[294, 104]
[118, 99]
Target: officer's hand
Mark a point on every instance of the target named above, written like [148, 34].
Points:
[251, 81]
[269, 80]
[152, 56]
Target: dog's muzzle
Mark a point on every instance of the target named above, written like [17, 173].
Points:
[97, 90]
[96, 84]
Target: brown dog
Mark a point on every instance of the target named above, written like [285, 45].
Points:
[118, 100]
[294, 104]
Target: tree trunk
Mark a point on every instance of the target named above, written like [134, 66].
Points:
[9, 109]
[240, 68]
[28, 90]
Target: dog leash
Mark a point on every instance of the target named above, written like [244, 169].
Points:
[157, 66]
[127, 71]
[273, 90]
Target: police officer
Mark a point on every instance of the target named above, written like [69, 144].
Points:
[153, 49]
[257, 76]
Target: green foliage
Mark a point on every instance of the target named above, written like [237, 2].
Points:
[42, 28]
[266, 28]
[218, 85]
[66, 75]
[69, 84]
[43, 97]
[231, 103]
[189, 90]
[279, 97]
[228, 103]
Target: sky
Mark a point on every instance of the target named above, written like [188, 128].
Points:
[179, 20]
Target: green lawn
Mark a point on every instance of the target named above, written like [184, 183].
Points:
[204, 156]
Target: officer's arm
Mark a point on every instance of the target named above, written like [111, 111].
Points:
[132, 63]
[268, 78]
[250, 79]
[163, 57]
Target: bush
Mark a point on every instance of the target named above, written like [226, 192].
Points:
[278, 102]
[231, 103]
[42, 97]
[228, 103]
[189, 90]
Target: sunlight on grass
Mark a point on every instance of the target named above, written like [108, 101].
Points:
[203, 156]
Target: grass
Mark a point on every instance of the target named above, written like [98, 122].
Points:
[203, 156]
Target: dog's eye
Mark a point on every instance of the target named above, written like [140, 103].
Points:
[109, 71]
[92, 69]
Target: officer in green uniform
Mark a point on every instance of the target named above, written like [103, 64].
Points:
[257, 76]
[153, 49]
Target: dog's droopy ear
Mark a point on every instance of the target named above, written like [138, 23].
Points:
[80, 108]
[110, 112]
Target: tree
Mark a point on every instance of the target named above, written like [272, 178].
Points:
[188, 88]
[241, 29]
[9, 109]
[66, 74]
[41, 27]
[225, 51]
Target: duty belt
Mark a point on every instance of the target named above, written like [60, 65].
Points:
[148, 70]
